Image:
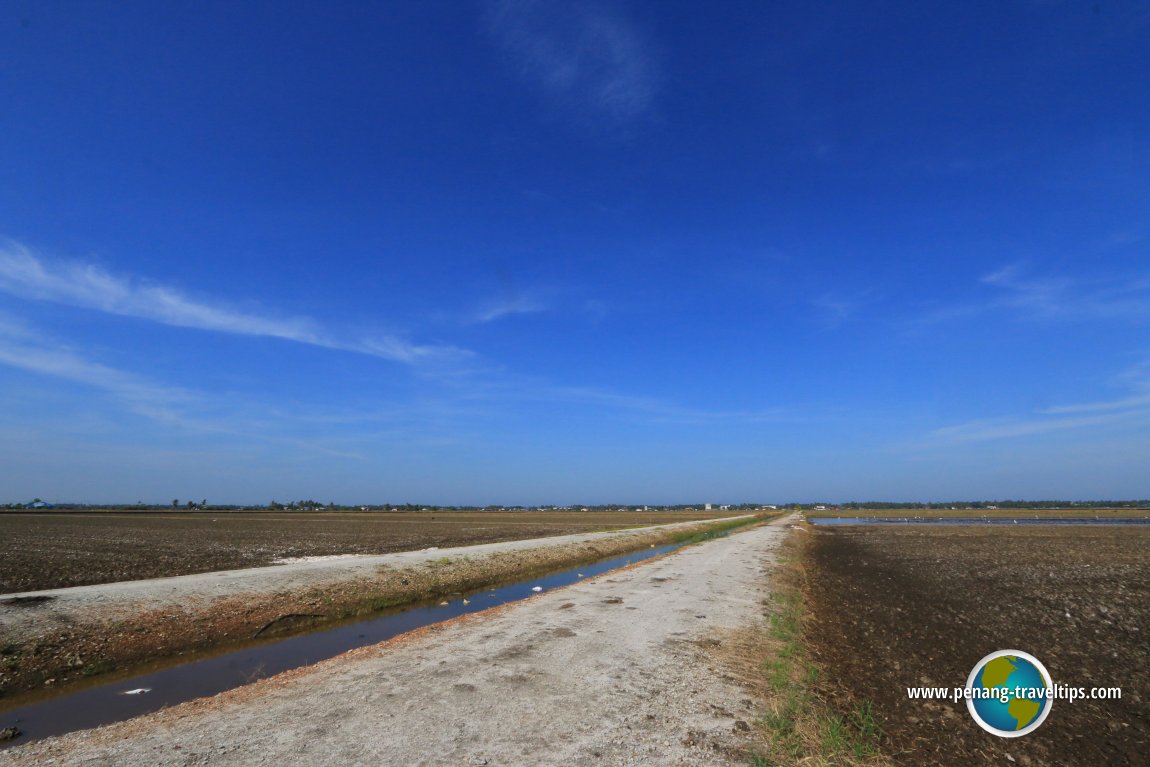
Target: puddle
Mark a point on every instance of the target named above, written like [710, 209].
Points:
[970, 521]
[127, 697]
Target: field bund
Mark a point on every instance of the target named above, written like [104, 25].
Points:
[50, 637]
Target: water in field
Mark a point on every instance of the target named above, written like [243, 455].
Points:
[967, 521]
[114, 701]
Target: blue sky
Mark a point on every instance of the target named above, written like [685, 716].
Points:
[544, 252]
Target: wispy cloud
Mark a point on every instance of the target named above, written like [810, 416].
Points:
[509, 306]
[1059, 298]
[1046, 297]
[27, 275]
[570, 300]
[1007, 428]
[654, 408]
[835, 310]
[1118, 405]
[587, 56]
[1132, 408]
[24, 348]
[1055, 298]
[1135, 379]
[21, 347]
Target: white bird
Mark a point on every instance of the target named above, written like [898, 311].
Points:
[466, 601]
[537, 588]
[137, 691]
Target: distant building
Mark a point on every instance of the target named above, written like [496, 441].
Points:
[706, 507]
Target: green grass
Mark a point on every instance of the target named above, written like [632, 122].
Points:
[800, 726]
[778, 673]
[836, 736]
[720, 530]
[868, 731]
[383, 603]
[100, 667]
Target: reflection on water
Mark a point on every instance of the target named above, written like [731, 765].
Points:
[979, 521]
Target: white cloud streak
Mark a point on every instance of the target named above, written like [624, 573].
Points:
[1008, 428]
[21, 348]
[27, 275]
[659, 410]
[1127, 403]
[584, 55]
[1049, 300]
[1066, 300]
[191, 412]
[1132, 409]
[508, 307]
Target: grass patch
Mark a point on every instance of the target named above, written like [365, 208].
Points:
[798, 725]
[720, 530]
[97, 668]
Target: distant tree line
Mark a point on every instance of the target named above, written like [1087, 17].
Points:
[313, 505]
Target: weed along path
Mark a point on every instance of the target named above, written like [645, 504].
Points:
[614, 670]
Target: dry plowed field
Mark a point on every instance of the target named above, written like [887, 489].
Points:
[896, 607]
[54, 550]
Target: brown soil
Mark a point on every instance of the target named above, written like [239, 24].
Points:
[899, 607]
[76, 650]
[56, 549]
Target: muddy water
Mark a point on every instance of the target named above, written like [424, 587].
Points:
[115, 701]
[967, 521]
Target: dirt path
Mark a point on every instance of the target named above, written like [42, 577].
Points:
[610, 671]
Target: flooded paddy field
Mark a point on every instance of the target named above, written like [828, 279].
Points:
[904, 606]
[58, 549]
[1072, 512]
[981, 521]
